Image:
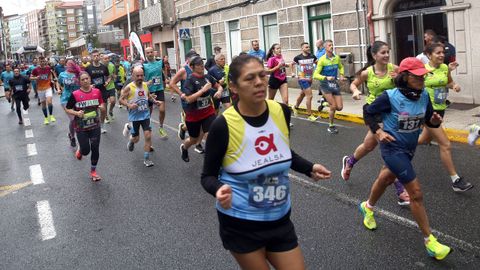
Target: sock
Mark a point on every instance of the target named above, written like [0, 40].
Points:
[352, 160]
[146, 155]
[426, 239]
[44, 110]
[369, 206]
[454, 177]
[93, 168]
[50, 108]
[398, 187]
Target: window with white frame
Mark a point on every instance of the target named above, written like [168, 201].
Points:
[70, 19]
[107, 3]
[270, 30]
[234, 38]
[70, 11]
[72, 34]
[71, 27]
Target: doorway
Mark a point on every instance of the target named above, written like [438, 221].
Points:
[411, 19]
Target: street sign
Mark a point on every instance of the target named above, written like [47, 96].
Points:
[184, 33]
[89, 47]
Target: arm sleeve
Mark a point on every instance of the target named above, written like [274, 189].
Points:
[215, 149]
[341, 70]
[71, 103]
[429, 114]
[295, 59]
[379, 106]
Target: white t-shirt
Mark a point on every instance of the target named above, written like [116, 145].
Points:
[422, 57]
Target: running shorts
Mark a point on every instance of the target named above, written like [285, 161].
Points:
[194, 127]
[440, 112]
[245, 236]
[145, 124]
[160, 95]
[42, 95]
[111, 92]
[275, 83]
[330, 87]
[400, 164]
[304, 84]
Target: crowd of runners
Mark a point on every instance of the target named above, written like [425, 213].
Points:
[247, 151]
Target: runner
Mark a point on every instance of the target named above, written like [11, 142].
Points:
[33, 83]
[403, 110]
[135, 97]
[328, 68]
[218, 72]
[69, 81]
[5, 77]
[437, 83]
[181, 76]
[120, 79]
[256, 51]
[276, 66]
[153, 77]
[110, 88]
[211, 61]
[305, 63]
[168, 72]
[100, 78]
[246, 168]
[379, 76]
[43, 76]
[85, 63]
[84, 104]
[20, 86]
[320, 49]
[199, 112]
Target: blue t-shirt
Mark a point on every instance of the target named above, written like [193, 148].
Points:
[320, 53]
[59, 69]
[6, 77]
[69, 83]
[260, 54]
[153, 72]
[127, 66]
[29, 72]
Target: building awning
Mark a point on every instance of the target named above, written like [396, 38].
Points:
[77, 43]
[30, 49]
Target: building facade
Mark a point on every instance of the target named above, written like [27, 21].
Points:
[31, 20]
[351, 24]
[70, 24]
[43, 29]
[53, 35]
[18, 32]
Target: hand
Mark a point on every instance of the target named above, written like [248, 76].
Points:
[183, 97]
[207, 87]
[132, 106]
[384, 137]
[342, 78]
[452, 66]
[436, 119]
[320, 173]
[149, 82]
[80, 114]
[356, 95]
[224, 196]
[218, 94]
[456, 88]
[153, 96]
[393, 74]
[222, 81]
[330, 78]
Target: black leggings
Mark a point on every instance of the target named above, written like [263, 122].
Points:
[90, 140]
[21, 99]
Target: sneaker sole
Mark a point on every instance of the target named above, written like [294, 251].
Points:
[405, 203]
[364, 214]
[431, 254]
[181, 152]
[462, 190]
[344, 162]
[180, 131]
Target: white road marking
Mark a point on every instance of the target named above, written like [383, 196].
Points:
[28, 133]
[386, 214]
[31, 149]
[45, 219]
[318, 122]
[26, 122]
[36, 175]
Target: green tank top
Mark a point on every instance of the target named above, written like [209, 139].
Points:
[376, 84]
[436, 85]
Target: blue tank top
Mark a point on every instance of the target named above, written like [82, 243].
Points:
[404, 122]
[153, 72]
[138, 95]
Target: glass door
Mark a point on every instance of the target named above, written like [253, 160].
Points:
[407, 37]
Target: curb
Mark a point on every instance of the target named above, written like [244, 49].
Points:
[454, 135]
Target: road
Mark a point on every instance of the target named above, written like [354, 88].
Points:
[161, 218]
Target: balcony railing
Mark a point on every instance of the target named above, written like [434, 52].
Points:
[151, 16]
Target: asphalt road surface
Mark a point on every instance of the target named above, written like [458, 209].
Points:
[54, 217]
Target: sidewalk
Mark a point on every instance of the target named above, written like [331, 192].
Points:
[458, 117]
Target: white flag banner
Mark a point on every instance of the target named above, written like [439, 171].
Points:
[135, 39]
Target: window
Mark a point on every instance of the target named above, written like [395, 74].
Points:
[319, 23]
[70, 19]
[72, 34]
[70, 11]
[71, 27]
[270, 30]
[234, 38]
[207, 33]
[107, 3]
[90, 16]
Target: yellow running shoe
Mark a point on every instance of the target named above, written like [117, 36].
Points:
[52, 118]
[163, 133]
[312, 118]
[45, 121]
[368, 219]
[435, 249]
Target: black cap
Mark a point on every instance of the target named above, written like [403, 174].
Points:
[191, 54]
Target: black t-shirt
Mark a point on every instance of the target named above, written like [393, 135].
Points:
[210, 62]
[99, 75]
[19, 85]
[217, 73]
[194, 83]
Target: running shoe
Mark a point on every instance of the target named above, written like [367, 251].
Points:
[184, 153]
[152, 149]
[173, 98]
[126, 129]
[473, 135]
[78, 155]
[45, 121]
[111, 116]
[130, 146]
[346, 168]
[38, 103]
[181, 132]
[368, 219]
[291, 124]
[73, 143]
[51, 118]
[199, 149]
[102, 130]
[147, 163]
[295, 110]
[403, 199]
[20, 122]
[461, 185]
[163, 133]
[332, 129]
[312, 118]
[13, 109]
[107, 121]
[120, 106]
[436, 249]
[94, 176]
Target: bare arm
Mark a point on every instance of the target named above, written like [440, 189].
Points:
[359, 80]
[180, 75]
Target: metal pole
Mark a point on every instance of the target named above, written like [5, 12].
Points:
[360, 38]
[129, 30]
